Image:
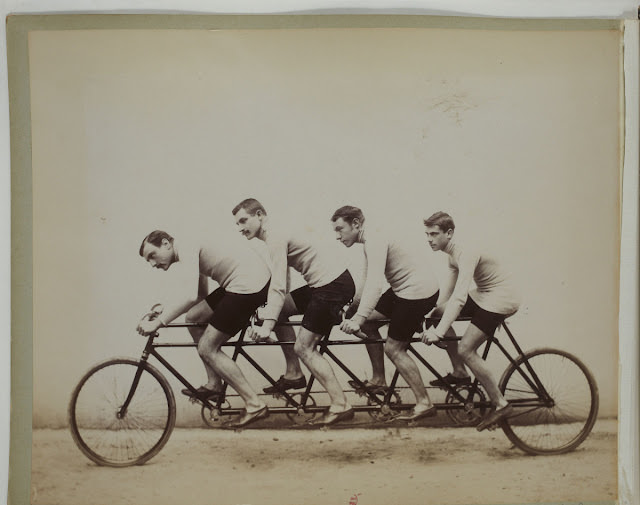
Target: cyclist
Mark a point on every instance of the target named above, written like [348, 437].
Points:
[243, 277]
[413, 293]
[493, 299]
[251, 220]
[330, 288]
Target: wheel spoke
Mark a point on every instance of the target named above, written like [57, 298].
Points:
[564, 423]
[144, 428]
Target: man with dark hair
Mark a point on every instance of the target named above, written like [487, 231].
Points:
[252, 221]
[331, 287]
[493, 299]
[243, 277]
[374, 345]
[412, 294]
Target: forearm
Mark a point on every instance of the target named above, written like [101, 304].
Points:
[375, 257]
[367, 304]
[275, 302]
[279, 281]
[456, 291]
[175, 310]
[451, 312]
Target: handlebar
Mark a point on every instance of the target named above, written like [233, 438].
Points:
[255, 321]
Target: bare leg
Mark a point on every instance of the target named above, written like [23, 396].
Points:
[376, 355]
[457, 362]
[200, 313]
[397, 352]
[467, 347]
[210, 352]
[288, 334]
[375, 349]
[305, 348]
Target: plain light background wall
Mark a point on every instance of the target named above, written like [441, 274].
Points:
[514, 133]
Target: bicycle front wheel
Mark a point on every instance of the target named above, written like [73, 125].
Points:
[111, 435]
[555, 407]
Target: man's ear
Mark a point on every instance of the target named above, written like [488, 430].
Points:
[356, 223]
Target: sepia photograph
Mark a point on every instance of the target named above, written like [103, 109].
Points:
[356, 260]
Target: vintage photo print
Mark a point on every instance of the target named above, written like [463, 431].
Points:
[129, 124]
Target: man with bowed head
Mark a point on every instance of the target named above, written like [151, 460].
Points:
[243, 277]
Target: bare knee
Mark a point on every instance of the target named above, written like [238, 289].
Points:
[302, 349]
[393, 348]
[203, 348]
[207, 347]
[191, 317]
[305, 343]
[372, 330]
[466, 351]
[199, 313]
[285, 334]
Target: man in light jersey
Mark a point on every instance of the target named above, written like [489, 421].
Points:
[332, 287]
[252, 221]
[493, 300]
[243, 277]
[413, 293]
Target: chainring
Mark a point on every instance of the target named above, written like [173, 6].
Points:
[471, 413]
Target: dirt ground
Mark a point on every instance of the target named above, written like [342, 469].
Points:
[341, 465]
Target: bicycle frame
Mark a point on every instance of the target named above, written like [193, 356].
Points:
[123, 428]
[375, 400]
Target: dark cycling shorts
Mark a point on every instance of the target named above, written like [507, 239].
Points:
[406, 315]
[295, 302]
[487, 322]
[302, 298]
[231, 311]
[326, 302]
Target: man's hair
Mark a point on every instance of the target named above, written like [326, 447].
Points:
[250, 205]
[441, 219]
[348, 213]
[155, 238]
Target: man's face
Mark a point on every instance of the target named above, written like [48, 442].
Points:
[437, 238]
[159, 257]
[346, 232]
[249, 225]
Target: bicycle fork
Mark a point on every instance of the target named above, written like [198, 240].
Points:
[122, 411]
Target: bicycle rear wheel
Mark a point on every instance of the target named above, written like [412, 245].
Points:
[109, 436]
[560, 422]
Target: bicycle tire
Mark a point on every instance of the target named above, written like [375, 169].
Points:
[101, 434]
[561, 425]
